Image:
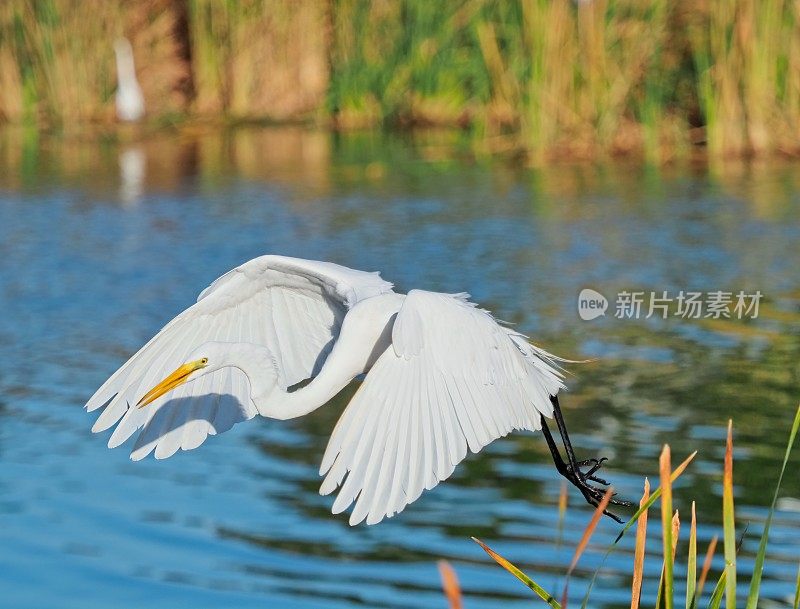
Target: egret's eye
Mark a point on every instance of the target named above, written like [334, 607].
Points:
[204, 361]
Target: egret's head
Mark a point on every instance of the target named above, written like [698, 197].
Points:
[203, 360]
[255, 361]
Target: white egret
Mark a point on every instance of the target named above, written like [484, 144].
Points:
[442, 377]
[129, 98]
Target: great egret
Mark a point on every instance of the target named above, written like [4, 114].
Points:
[129, 98]
[442, 376]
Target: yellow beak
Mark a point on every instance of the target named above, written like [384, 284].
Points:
[176, 379]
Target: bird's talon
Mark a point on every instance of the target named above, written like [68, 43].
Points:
[594, 495]
[613, 516]
[593, 465]
[594, 469]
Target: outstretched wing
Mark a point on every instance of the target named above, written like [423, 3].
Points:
[295, 307]
[453, 379]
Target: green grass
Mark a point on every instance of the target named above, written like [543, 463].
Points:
[725, 588]
[538, 78]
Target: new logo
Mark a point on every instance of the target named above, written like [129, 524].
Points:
[591, 304]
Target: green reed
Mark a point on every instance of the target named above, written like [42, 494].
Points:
[539, 78]
[45, 68]
[724, 591]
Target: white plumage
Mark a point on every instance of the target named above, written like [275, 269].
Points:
[129, 99]
[442, 376]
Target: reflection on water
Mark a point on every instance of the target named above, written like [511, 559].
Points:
[131, 174]
[102, 243]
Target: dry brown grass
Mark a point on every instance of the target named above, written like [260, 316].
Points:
[260, 59]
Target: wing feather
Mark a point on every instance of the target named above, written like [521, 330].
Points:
[453, 379]
[379, 504]
[294, 307]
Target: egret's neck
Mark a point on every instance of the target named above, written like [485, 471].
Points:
[126, 70]
[284, 405]
[269, 398]
[258, 365]
[364, 336]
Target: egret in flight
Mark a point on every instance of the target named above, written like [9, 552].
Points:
[280, 337]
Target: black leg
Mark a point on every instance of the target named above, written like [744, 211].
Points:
[572, 463]
[571, 469]
[592, 495]
[562, 429]
[551, 444]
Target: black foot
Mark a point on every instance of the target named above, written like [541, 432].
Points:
[593, 494]
[571, 467]
[595, 465]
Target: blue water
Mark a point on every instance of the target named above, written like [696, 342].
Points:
[101, 243]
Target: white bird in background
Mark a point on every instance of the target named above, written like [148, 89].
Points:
[129, 98]
[442, 376]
